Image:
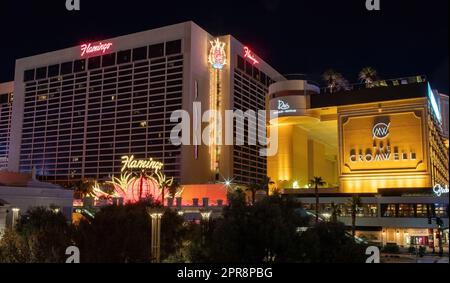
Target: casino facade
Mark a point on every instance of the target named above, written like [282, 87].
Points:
[386, 143]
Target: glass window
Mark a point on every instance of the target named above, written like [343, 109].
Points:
[124, 56]
[28, 75]
[94, 62]
[388, 210]
[405, 210]
[109, 60]
[66, 68]
[140, 53]
[173, 47]
[79, 65]
[53, 70]
[41, 73]
[156, 50]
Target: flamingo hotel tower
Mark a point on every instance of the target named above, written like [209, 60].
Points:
[79, 110]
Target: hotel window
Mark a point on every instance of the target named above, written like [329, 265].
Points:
[441, 210]
[388, 210]
[53, 71]
[173, 47]
[66, 68]
[94, 62]
[406, 210]
[79, 65]
[108, 60]
[422, 210]
[28, 75]
[41, 73]
[140, 53]
[124, 57]
[156, 50]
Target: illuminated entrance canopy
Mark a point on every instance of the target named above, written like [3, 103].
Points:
[217, 55]
[439, 190]
[128, 162]
[249, 55]
[98, 48]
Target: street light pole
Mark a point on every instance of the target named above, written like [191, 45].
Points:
[156, 215]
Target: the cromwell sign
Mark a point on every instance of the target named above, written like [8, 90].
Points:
[382, 143]
[95, 48]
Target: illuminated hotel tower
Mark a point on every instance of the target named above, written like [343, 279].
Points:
[77, 111]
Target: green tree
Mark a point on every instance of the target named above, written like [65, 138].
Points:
[327, 242]
[173, 190]
[335, 80]
[368, 76]
[253, 188]
[317, 182]
[354, 203]
[41, 235]
[335, 212]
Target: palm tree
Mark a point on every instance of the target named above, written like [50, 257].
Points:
[83, 188]
[266, 182]
[335, 80]
[316, 182]
[335, 212]
[173, 190]
[253, 188]
[368, 75]
[354, 203]
[164, 184]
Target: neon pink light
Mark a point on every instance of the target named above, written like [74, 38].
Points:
[248, 54]
[87, 49]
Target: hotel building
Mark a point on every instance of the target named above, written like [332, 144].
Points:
[384, 142]
[6, 100]
[77, 111]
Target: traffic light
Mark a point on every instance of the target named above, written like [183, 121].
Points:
[430, 220]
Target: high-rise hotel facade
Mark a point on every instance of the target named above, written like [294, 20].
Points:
[6, 100]
[77, 111]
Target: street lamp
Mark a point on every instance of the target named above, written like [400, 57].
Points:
[156, 215]
[206, 214]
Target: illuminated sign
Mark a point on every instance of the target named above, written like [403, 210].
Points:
[128, 162]
[284, 107]
[217, 55]
[381, 131]
[439, 190]
[381, 151]
[434, 104]
[99, 48]
[249, 55]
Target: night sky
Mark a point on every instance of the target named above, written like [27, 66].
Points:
[407, 37]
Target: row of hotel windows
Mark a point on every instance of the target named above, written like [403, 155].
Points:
[5, 127]
[121, 57]
[387, 210]
[250, 89]
[253, 72]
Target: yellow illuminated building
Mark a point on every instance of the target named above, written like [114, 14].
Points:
[358, 141]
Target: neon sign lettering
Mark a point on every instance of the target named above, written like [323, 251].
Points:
[248, 54]
[128, 162]
[217, 55]
[439, 190]
[89, 48]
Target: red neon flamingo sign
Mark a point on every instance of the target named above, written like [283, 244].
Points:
[87, 49]
[248, 54]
